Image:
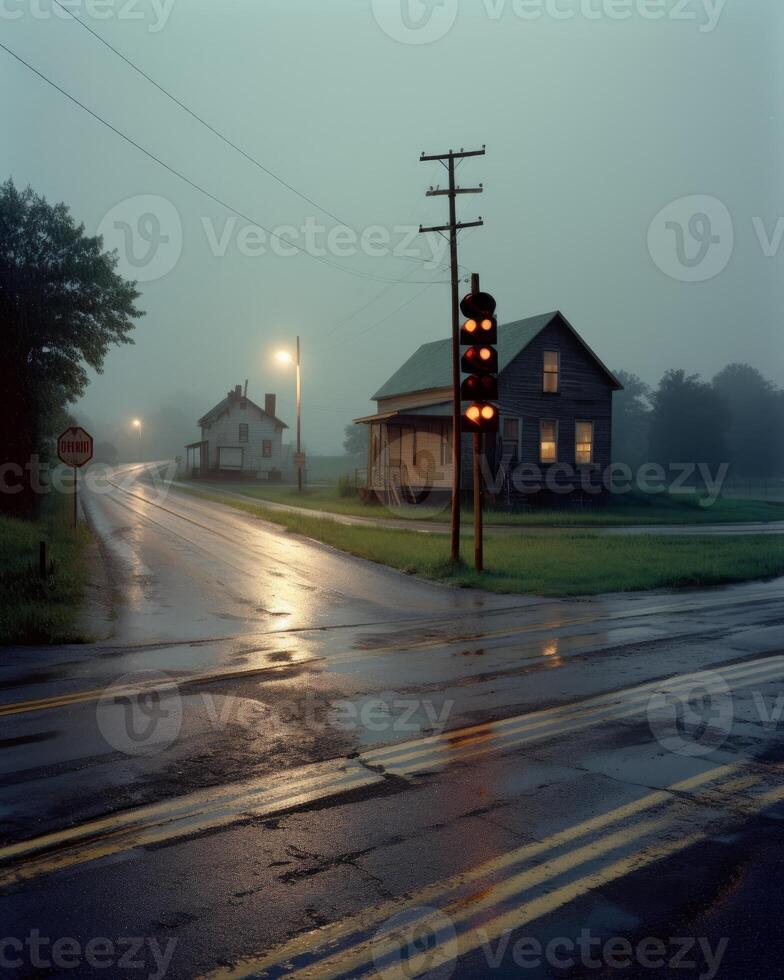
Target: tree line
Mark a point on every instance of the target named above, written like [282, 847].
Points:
[736, 418]
[62, 305]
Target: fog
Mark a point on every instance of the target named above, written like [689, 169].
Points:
[593, 126]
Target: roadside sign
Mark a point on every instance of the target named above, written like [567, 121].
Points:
[299, 459]
[75, 446]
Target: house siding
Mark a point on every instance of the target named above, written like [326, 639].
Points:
[585, 394]
[225, 432]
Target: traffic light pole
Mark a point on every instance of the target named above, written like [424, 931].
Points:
[477, 477]
[454, 226]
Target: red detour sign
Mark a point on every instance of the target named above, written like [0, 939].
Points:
[75, 446]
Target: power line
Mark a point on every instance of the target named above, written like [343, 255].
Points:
[213, 129]
[198, 187]
[199, 118]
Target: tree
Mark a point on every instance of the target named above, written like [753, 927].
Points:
[631, 417]
[356, 440]
[62, 306]
[689, 421]
[754, 438]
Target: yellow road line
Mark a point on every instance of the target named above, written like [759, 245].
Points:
[437, 893]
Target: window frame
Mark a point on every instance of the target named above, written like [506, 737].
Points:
[266, 448]
[555, 424]
[556, 373]
[578, 422]
[243, 432]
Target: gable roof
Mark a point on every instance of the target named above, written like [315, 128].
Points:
[225, 404]
[431, 365]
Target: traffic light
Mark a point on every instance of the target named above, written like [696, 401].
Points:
[479, 334]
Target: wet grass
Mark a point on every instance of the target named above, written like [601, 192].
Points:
[33, 609]
[564, 563]
[625, 510]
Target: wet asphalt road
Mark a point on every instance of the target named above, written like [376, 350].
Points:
[285, 761]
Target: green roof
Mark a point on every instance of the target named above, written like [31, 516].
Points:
[431, 365]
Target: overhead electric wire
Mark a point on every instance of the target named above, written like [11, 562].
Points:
[199, 118]
[198, 187]
[212, 129]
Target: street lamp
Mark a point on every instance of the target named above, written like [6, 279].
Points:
[285, 358]
[137, 424]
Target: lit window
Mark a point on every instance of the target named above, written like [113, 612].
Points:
[548, 442]
[583, 442]
[243, 431]
[266, 449]
[550, 374]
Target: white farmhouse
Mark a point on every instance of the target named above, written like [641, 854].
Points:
[240, 437]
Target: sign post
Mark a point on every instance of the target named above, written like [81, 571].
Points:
[75, 448]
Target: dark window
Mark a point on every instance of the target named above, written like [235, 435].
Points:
[243, 431]
[266, 449]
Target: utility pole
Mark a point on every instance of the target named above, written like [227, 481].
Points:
[299, 423]
[454, 226]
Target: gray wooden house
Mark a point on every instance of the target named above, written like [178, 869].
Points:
[555, 402]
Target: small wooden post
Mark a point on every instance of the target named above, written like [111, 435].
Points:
[477, 479]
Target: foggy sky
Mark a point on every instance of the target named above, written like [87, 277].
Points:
[592, 127]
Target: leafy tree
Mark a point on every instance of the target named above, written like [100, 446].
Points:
[631, 417]
[754, 438]
[356, 440]
[61, 307]
[689, 421]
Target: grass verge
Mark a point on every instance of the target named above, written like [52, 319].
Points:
[635, 508]
[564, 563]
[32, 609]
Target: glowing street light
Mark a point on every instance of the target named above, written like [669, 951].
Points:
[284, 357]
[137, 424]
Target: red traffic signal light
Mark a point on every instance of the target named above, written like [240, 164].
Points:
[480, 360]
[476, 305]
[479, 387]
[479, 330]
[480, 417]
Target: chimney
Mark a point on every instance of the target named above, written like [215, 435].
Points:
[238, 391]
[269, 405]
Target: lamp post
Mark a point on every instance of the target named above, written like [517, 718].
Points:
[286, 358]
[137, 424]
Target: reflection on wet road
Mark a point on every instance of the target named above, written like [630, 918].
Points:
[288, 759]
